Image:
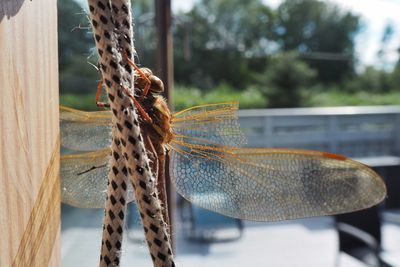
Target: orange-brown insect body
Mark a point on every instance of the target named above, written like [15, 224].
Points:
[155, 105]
[156, 85]
[156, 127]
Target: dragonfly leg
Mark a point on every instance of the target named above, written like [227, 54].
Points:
[141, 73]
[153, 156]
[139, 107]
[137, 104]
[158, 168]
[98, 102]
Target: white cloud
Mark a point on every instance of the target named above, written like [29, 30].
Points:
[182, 5]
[376, 14]
[272, 3]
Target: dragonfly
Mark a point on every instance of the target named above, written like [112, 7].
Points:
[210, 167]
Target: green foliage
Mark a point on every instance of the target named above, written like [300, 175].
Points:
[79, 101]
[225, 41]
[336, 97]
[322, 33]
[395, 78]
[74, 45]
[78, 76]
[212, 67]
[233, 50]
[73, 38]
[370, 80]
[185, 97]
[145, 33]
[214, 42]
[231, 25]
[283, 79]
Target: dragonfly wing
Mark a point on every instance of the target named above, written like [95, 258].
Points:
[84, 179]
[85, 131]
[213, 123]
[273, 184]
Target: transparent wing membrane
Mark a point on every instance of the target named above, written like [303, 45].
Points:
[85, 131]
[210, 170]
[84, 179]
[274, 184]
[216, 123]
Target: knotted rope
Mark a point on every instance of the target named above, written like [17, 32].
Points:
[111, 22]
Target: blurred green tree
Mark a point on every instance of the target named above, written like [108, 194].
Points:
[322, 33]
[371, 80]
[145, 33]
[284, 79]
[384, 50]
[395, 78]
[75, 42]
[217, 40]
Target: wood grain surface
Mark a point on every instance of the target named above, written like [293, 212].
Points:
[29, 134]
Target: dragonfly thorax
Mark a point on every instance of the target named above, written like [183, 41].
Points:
[160, 129]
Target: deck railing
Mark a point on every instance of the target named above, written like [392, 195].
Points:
[371, 133]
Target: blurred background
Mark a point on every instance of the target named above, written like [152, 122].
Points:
[262, 53]
[294, 54]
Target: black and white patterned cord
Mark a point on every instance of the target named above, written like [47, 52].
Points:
[111, 22]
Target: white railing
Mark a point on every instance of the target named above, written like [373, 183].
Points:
[371, 133]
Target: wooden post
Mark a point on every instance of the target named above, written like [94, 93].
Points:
[29, 134]
[165, 63]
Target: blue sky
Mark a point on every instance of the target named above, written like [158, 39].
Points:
[375, 14]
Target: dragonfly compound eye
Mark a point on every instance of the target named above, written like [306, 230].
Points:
[157, 86]
[146, 71]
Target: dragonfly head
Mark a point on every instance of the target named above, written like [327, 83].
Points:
[156, 85]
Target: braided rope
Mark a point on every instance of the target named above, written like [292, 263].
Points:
[115, 208]
[116, 75]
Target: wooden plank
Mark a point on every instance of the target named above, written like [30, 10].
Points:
[29, 163]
